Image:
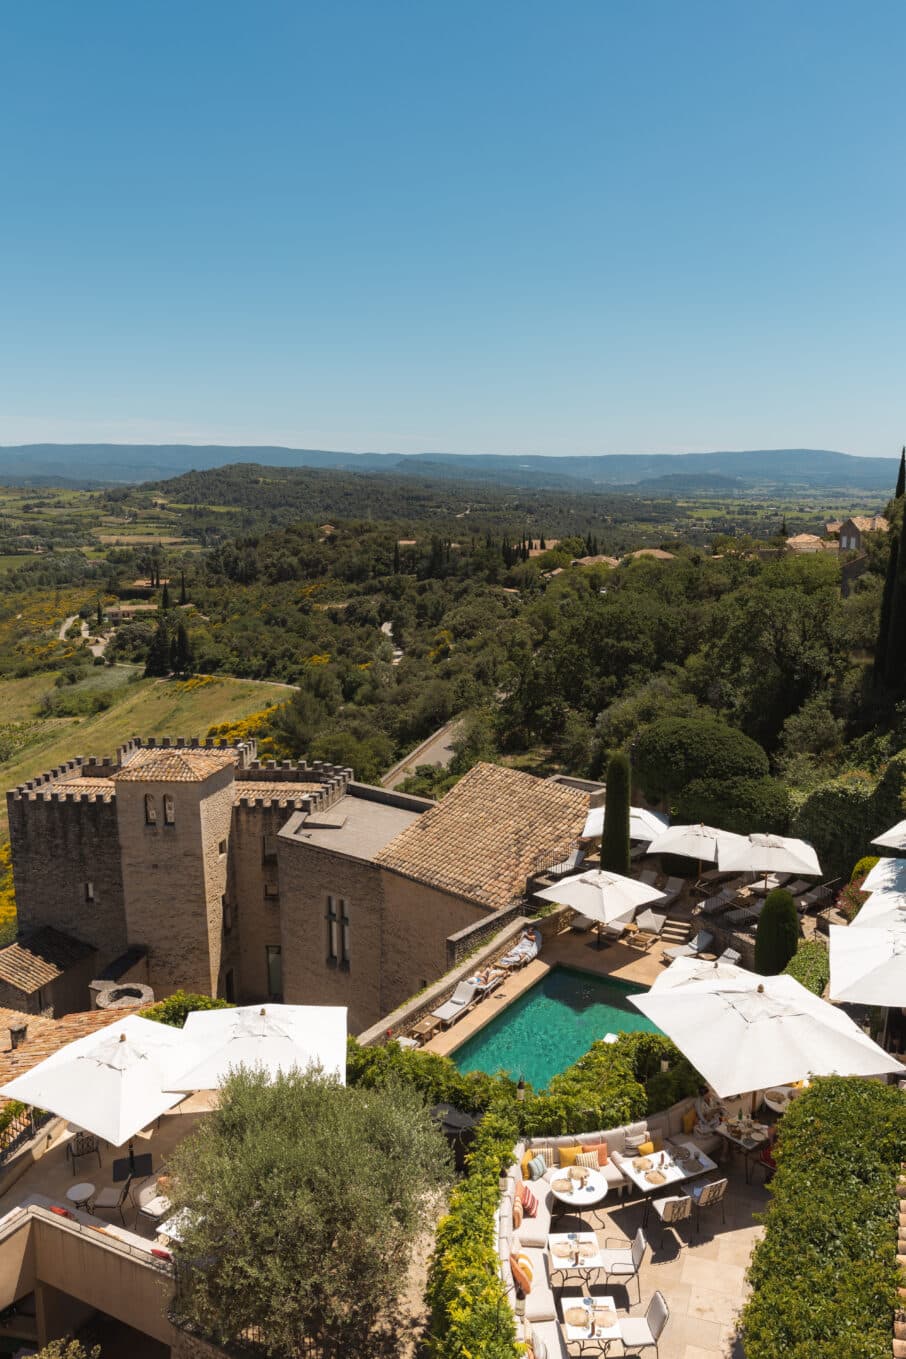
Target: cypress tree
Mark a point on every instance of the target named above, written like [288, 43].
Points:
[165, 597]
[901, 475]
[158, 661]
[895, 654]
[183, 597]
[183, 658]
[777, 935]
[100, 616]
[615, 839]
[396, 559]
[880, 661]
[542, 544]
[783, 526]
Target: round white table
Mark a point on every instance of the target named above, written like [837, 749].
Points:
[80, 1194]
[582, 1196]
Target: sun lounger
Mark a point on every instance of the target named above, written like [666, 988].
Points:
[648, 926]
[490, 983]
[462, 999]
[523, 953]
[695, 946]
[743, 915]
[672, 889]
[798, 888]
[721, 901]
[571, 864]
[649, 877]
[581, 924]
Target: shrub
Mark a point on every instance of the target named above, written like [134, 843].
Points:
[824, 1278]
[615, 839]
[810, 965]
[741, 805]
[470, 1313]
[777, 935]
[176, 1008]
[673, 752]
[863, 868]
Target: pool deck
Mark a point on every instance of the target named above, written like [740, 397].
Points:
[570, 949]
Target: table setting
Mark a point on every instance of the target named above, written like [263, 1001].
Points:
[591, 1319]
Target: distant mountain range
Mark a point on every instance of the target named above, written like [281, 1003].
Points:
[658, 474]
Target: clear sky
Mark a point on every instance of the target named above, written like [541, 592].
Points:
[475, 226]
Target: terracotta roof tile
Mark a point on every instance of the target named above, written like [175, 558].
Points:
[39, 958]
[161, 765]
[276, 792]
[483, 839]
[74, 783]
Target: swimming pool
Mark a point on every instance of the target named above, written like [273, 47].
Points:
[551, 1025]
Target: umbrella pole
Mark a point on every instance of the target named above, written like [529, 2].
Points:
[131, 1157]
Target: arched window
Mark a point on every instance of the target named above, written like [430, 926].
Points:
[169, 811]
[150, 811]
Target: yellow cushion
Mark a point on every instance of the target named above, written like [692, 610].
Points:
[568, 1155]
[646, 1148]
[523, 1164]
[689, 1121]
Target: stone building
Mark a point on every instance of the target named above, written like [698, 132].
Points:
[193, 866]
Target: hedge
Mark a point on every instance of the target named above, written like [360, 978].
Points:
[470, 1312]
[824, 1277]
[672, 752]
[810, 965]
[741, 805]
[842, 815]
[176, 1008]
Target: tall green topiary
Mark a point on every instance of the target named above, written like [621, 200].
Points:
[901, 475]
[777, 936]
[615, 839]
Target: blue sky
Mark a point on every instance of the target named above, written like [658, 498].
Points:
[477, 227]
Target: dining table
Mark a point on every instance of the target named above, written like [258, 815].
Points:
[595, 1334]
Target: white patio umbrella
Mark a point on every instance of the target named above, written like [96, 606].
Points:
[603, 897]
[895, 838]
[882, 910]
[111, 1083]
[275, 1038]
[644, 825]
[753, 1033]
[868, 966]
[693, 971]
[703, 843]
[888, 875]
[769, 854]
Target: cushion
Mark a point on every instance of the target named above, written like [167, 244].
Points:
[529, 1202]
[545, 1150]
[568, 1155]
[652, 1145]
[635, 1140]
[523, 1273]
[536, 1347]
[600, 1149]
[689, 1118]
[60, 1212]
[523, 1164]
[536, 1168]
[518, 1210]
[589, 1159]
[160, 1254]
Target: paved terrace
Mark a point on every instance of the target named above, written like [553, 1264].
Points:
[700, 1273]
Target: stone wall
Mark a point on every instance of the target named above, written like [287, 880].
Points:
[418, 921]
[174, 878]
[256, 916]
[63, 996]
[60, 844]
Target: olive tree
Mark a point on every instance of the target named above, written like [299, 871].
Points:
[304, 1198]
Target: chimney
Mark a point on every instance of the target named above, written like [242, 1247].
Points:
[17, 1034]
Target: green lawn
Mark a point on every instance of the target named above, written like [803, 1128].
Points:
[147, 708]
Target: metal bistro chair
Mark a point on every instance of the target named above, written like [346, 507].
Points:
[673, 1210]
[83, 1144]
[643, 1333]
[708, 1196]
[112, 1200]
[624, 1264]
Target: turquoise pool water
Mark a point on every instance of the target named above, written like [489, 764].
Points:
[551, 1025]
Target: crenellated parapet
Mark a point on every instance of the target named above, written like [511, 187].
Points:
[246, 750]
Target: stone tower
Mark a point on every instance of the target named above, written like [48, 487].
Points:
[173, 808]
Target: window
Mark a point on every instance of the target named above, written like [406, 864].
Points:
[268, 848]
[222, 848]
[271, 891]
[274, 971]
[337, 917]
[344, 932]
[333, 949]
[227, 914]
[169, 811]
[89, 891]
[150, 811]
[229, 986]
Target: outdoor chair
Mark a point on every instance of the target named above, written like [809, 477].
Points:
[112, 1200]
[643, 1333]
[672, 1210]
[648, 926]
[672, 889]
[83, 1144]
[743, 915]
[730, 955]
[571, 864]
[624, 1262]
[151, 1203]
[798, 888]
[462, 999]
[691, 950]
[581, 924]
[708, 1196]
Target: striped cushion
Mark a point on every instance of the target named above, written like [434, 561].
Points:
[588, 1158]
[518, 1210]
[529, 1201]
[523, 1273]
